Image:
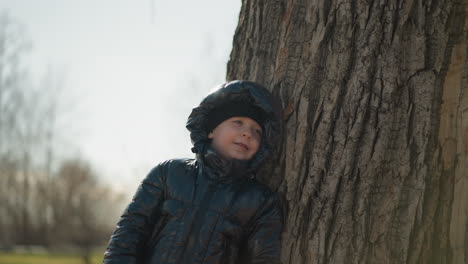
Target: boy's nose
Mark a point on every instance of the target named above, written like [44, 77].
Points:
[246, 132]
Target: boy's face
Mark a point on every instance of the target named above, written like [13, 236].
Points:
[237, 138]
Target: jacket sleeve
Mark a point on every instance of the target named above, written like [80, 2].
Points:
[127, 242]
[264, 243]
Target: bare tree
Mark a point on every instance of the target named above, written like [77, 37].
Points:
[83, 207]
[25, 113]
[45, 200]
[374, 164]
[13, 45]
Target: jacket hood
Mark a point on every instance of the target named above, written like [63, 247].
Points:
[243, 92]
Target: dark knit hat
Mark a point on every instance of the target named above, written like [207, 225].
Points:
[232, 109]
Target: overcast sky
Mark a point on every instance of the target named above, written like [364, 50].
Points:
[133, 70]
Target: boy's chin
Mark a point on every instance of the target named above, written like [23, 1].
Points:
[239, 157]
[233, 155]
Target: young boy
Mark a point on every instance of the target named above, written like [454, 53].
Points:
[209, 209]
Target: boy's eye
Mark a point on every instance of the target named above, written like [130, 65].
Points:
[259, 132]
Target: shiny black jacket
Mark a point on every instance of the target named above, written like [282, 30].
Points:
[204, 210]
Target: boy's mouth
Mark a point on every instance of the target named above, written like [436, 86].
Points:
[242, 145]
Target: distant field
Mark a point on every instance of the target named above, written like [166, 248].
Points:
[12, 258]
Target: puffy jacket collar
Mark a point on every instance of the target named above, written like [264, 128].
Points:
[221, 170]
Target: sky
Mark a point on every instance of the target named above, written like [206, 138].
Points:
[132, 71]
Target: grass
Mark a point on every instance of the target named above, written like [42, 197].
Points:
[24, 258]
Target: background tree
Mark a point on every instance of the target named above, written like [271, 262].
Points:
[84, 208]
[27, 126]
[15, 135]
[374, 163]
[46, 199]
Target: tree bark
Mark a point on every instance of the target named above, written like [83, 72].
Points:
[374, 160]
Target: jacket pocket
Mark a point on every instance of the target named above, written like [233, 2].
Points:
[232, 229]
[233, 234]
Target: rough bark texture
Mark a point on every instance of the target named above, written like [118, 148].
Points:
[374, 162]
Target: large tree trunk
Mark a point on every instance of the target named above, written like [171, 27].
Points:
[374, 162]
